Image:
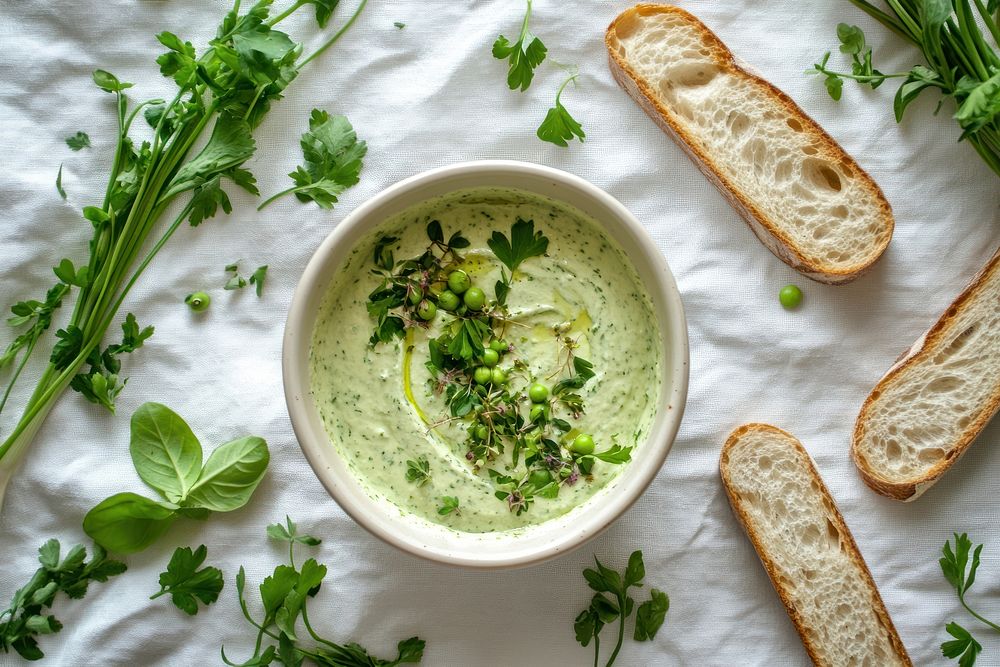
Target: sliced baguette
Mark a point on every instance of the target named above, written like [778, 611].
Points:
[807, 550]
[926, 411]
[805, 198]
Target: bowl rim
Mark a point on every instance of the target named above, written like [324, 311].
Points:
[297, 340]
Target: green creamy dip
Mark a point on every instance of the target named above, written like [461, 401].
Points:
[377, 403]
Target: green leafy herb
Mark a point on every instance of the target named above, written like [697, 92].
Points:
[224, 91]
[25, 619]
[257, 278]
[168, 458]
[524, 242]
[186, 584]
[961, 62]
[78, 141]
[333, 159]
[523, 55]
[559, 125]
[449, 505]
[419, 471]
[285, 599]
[289, 533]
[960, 572]
[59, 186]
[612, 602]
[399, 25]
[235, 280]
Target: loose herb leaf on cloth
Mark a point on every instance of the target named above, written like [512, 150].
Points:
[168, 457]
[559, 126]
[285, 596]
[523, 55]
[78, 141]
[186, 584]
[612, 602]
[333, 160]
[960, 571]
[25, 619]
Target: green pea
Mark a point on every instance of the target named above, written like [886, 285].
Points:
[481, 432]
[198, 302]
[498, 376]
[459, 281]
[539, 478]
[482, 375]
[538, 393]
[490, 357]
[498, 345]
[582, 444]
[448, 300]
[790, 296]
[426, 310]
[474, 298]
[537, 412]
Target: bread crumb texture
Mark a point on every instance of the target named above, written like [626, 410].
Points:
[923, 413]
[774, 156]
[804, 544]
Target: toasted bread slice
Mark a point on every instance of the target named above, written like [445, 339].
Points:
[807, 550]
[926, 411]
[804, 197]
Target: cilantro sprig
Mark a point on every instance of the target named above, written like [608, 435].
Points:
[186, 584]
[960, 571]
[25, 619]
[285, 596]
[612, 602]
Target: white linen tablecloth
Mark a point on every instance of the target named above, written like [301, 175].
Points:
[429, 95]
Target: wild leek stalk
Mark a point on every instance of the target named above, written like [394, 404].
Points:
[958, 39]
[228, 88]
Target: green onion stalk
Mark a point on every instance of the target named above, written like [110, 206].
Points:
[958, 39]
[154, 188]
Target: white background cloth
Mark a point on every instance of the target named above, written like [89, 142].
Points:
[431, 95]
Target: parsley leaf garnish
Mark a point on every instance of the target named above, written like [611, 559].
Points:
[961, 574]
[25, 619]
[257, 278]
[78, 141]
[524, 242]
[524, 55]
[333, 160]
[289, 533]
[186, 584]
[559, 125]
[612, 602]
[419, 471]
[449, 504]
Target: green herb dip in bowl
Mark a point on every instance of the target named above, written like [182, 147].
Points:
[429, 440]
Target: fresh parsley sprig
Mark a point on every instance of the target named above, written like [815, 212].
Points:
[960, 572]
[78, 141]
[285, 596]
[25, 619]
[523, 55]
[168, 458]
[612, 602]
[186, 584]
[559, 126]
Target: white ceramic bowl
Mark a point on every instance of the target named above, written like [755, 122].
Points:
[414, 534]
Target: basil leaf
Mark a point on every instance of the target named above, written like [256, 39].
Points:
[127, 522]
[165, 451]
[230, 475]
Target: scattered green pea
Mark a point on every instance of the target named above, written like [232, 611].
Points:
[426, 310]
[582, 444]
[538, 393]
[198, 302]
[498, 345]
[490, 357]
[459, 281]
[498, 376]
[482, 375]
[474, 298]
[448, 300]
[790, 296]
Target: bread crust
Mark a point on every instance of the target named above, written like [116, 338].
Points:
[773, 573]
[924, 346]
[777, 241]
